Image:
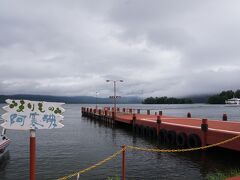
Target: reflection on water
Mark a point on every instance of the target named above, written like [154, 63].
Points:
[83, 142]
[4, 160]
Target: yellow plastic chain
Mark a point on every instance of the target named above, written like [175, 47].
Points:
[183, 150]
[148, 150]
[93, 166]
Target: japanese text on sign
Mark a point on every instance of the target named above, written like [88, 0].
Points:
[25, 115]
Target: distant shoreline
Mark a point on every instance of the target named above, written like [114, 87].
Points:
[93, 100]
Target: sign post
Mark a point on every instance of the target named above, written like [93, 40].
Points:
[32, 154]
[32, 115]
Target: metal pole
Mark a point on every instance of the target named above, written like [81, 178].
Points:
[123, 163]
[114, 95]
[114, 99]
[32, 154]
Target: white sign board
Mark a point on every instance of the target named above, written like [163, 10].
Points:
[26, 115]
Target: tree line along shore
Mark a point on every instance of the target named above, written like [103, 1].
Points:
[210, 99]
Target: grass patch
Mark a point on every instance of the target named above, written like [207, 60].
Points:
[224, 175]
[113, 178]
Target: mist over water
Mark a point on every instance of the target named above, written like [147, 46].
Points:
[83, 142]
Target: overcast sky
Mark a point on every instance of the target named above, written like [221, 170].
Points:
[158, 47]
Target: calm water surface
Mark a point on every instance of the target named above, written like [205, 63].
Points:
[82, 143]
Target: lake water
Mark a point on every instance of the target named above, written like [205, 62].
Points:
[82, 143]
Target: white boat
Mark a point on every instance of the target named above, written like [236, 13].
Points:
[233, 101]
[4, 142]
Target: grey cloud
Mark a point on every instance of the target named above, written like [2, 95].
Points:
[158, 48]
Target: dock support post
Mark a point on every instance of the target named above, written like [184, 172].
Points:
[148, 112]
[138, 111]
[90, 113]
[87, 115]
[189, 115]
[113, 117]
[158, 124]
[130, 111]
[83, 111]
[123, 163]
[99, 114]
[32, 154]
[105, 115]
[124, 110]
[133, 122]
[160, 113]
[204, 128]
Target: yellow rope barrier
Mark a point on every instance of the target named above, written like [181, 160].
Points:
[93, 166]
[148, 150]
[183, 150]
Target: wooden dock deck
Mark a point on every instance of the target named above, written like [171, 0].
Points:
[180, 131]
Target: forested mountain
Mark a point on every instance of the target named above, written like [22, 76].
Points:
[211, 99]
[224, 95]
[71, 99]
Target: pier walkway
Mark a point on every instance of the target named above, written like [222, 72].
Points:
[183, 134]
[180, 131]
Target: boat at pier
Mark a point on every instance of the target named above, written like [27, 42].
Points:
[233, 101]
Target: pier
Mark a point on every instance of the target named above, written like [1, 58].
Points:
[182, 132]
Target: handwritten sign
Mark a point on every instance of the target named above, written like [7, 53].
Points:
[26, 115]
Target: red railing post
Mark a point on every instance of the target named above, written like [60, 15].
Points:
[138, 111]
[130, 111]
[160, 113]
[158, 124]
[123, 163]
[148, 111]
[224, 117]
[134, 118]
[32, 154]
[204, 128]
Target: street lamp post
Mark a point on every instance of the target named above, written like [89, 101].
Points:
[114, 95]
